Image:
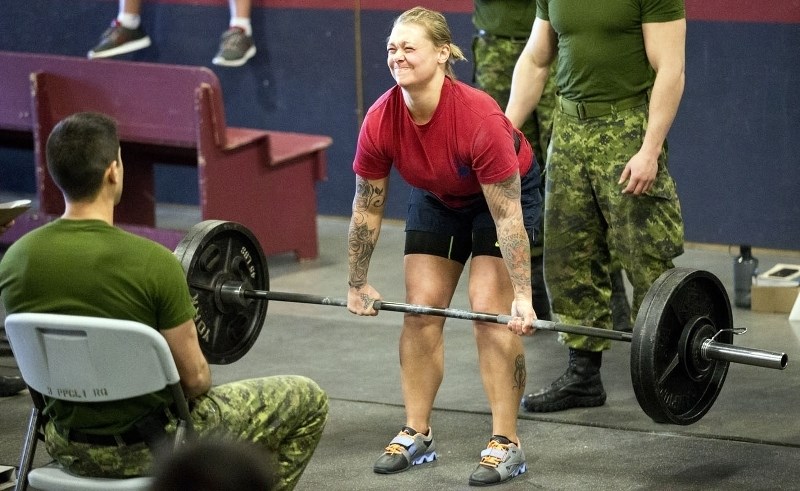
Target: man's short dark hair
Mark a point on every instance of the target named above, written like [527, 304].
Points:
[79, 150]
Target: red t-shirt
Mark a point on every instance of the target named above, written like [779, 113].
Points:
[467, 142]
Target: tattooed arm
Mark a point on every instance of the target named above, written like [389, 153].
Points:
[506, 208]
[365, 227]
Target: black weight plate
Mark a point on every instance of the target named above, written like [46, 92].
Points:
[213, 253]
[666, 390]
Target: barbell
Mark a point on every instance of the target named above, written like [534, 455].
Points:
[681, 344]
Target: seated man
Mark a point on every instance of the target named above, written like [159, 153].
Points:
[81, 264]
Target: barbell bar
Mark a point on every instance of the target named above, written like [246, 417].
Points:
[681, 343]
[707, 350]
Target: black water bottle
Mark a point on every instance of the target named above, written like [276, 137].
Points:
[744, 268]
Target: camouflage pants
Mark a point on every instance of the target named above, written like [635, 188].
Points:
[589, 220]
[283, 414]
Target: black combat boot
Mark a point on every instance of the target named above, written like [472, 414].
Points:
[580, 386]
[541, 301]
[620, 307]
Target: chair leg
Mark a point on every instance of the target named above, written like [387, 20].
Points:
[28, 449]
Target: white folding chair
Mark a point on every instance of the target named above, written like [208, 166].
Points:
[87, 359]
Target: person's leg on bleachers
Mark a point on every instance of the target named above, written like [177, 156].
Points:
[236, 44]
[125, 35]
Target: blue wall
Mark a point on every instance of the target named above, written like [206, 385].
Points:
[732, 144]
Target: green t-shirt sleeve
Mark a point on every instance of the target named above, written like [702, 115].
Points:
[174, 305]
[542, 11]
[662, 10]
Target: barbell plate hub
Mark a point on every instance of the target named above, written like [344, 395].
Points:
[694, 333]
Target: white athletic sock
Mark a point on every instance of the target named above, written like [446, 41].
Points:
[243, 23]
[129, 21]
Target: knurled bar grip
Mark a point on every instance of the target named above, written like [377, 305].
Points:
[425, 310]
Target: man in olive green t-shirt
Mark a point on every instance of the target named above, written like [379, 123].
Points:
[81, 264]
[620, 78]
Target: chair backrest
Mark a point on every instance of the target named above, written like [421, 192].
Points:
[89, 359]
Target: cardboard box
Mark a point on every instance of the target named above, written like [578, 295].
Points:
[775, 299]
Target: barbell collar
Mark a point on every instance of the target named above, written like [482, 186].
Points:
[231, 293]
[713, 350]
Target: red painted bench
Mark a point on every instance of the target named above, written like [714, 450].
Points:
[172, 114]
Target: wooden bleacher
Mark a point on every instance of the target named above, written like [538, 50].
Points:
[171, 114]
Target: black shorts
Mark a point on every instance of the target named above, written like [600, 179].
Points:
[436, 229]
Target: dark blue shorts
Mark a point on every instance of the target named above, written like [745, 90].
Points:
[436, 229]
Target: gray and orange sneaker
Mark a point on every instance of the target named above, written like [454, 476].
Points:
[408, 448]
[500, 461]
[118, 40]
